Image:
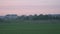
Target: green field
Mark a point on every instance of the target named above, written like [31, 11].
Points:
[29, 28]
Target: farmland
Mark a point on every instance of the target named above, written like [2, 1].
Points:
[30, 27]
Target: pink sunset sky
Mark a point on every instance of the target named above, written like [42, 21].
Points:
[28, 7]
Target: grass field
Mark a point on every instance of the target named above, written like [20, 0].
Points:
[29, 28]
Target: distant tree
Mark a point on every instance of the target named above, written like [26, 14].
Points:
[1, 20]
[27, 17]
[40, 17]
[46, 17]
[30, 17]
[22, 17]
[35, 17]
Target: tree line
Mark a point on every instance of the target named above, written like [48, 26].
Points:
[32, 17]
[39, 17]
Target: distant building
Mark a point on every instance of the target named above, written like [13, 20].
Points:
[2, 17]
[11, 16]
[54, 15]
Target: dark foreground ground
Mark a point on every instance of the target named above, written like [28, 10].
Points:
[29, 28]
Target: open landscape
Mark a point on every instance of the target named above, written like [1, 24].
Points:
[31, 27]
[29, 16]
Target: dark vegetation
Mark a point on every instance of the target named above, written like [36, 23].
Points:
[39, 17]
[31, 19]
[32, 24]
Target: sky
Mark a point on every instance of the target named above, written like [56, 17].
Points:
[29, 7]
